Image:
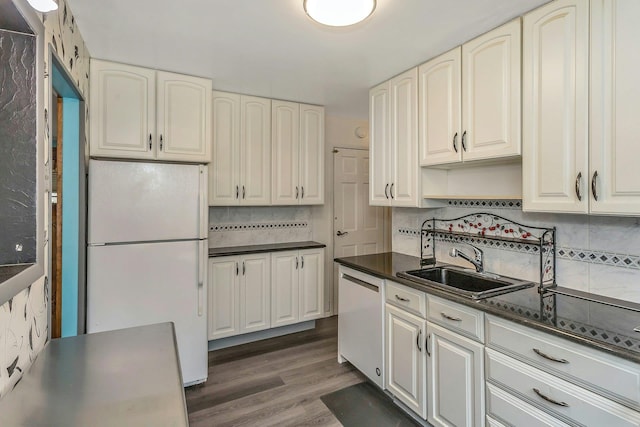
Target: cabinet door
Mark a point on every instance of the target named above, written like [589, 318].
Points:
[284, 288]
[380, 153]
[255, 292]
[224, 170]
[555, 107]
[405, 358]
[223, 296]
[311, 155]
[491, 94]
[122, 109]
[615, 90]
[455, 379]
[183, 118]
[405, 167]
[439, 107]
[285, 129]
[255, 151]
[311, 284]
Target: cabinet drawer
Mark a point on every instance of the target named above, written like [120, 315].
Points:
[566, 401]
[457, 317]
[507, 408]
[608, 375]
[407, 298]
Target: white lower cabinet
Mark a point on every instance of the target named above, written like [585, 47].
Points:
[455, 379]
[406, 358]
[239, 295]
[297, 286]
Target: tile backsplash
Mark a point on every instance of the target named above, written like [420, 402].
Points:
[594, 254]
[242, 225]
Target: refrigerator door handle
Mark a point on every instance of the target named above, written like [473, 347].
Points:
[202, 259]
[203, 210]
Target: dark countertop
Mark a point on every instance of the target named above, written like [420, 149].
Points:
[605, 323]
[128, 377]
[271, 247]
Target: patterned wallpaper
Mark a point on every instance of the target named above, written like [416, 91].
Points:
[24, 322]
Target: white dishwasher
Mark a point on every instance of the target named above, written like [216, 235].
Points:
[360, 322]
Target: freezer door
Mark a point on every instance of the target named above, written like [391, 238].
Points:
[141, 284]
[137, 202]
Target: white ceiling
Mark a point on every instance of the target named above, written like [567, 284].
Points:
[271, 48]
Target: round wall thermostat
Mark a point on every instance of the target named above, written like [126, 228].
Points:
[361, 132]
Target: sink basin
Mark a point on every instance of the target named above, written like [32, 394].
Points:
[466, 283]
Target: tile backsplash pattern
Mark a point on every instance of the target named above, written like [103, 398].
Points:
[244, 225]
[595, 254]
[24, 322]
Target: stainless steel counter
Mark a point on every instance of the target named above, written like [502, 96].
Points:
[128, 377]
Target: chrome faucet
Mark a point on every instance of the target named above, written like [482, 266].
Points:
[478, 262]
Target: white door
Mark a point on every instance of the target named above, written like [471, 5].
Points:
[455, 379]
[491, 94]
[311, 284]
[255, 292]
[404, 139]
[555, 85]
[311, 155]
[284, 288]
[183, 118]
[405, 358]
[255, 151]
[224, 169]
[379, 135]
[615, 90]
[439, 99]
[224, 297]
[285, 142]
[122, 109]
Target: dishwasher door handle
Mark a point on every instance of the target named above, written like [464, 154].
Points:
[360, 282]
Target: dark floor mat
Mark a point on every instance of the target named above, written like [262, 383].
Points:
[365, 405]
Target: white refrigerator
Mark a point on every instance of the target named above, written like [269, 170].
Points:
[147, 253]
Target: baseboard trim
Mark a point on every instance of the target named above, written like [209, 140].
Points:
[261, 335]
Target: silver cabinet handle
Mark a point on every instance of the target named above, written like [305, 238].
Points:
[301, 261]
[550, 400]
[296, 263]
[302, 192]
[578, 181]
[237, 271]
[150, 143]
[391, 190]
[399, 298]
[426, 345]
[594, 188]
[464, 138]
[161, 142]
[636, 329]
[341, 233]
[546, 356]
[455, 142]
[418, 341]
[243, 193]
[455, 319]
[297, 193]
[237, 191]
[386, 188]
[243, 268]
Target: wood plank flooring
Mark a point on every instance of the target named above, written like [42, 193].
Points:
[277, 381]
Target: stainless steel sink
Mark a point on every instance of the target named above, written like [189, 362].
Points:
[467, 283]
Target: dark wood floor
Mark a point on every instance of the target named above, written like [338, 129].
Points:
[273, 382]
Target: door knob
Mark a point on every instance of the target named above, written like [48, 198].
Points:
[340, 233]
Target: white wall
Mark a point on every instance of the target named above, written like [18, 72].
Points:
[595, 254]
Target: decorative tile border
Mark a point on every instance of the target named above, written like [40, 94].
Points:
[599, 257]
[494, 204]
[258, 226]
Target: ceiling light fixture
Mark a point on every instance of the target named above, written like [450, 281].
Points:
[43, 6]
[339, 13]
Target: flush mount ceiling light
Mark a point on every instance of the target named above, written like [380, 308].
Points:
[43, 6]
[339, 13]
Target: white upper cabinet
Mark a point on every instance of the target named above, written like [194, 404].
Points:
[394, 167]
[138, 113]
[614, 177]
[440, 84]
[555, 107]
[470, 100]
[297, 153]
[580, 95]
[240, 171]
